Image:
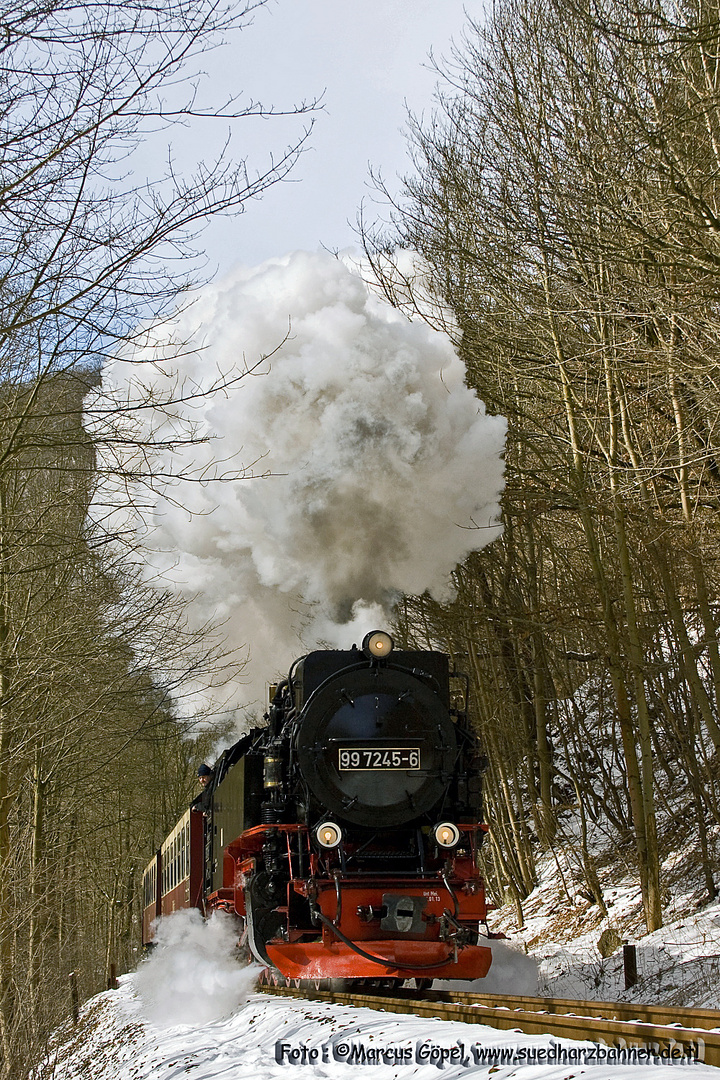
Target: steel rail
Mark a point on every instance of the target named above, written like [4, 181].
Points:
[687, 1033]
[663, 1015]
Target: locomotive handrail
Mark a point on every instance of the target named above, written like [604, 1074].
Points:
[359, 665]
[338, 899]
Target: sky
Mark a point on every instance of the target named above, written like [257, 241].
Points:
[367, 61]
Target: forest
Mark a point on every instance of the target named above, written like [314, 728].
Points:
[564, 203]
[564, 200]
[96, 751]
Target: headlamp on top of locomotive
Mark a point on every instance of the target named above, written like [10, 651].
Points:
[377, 645]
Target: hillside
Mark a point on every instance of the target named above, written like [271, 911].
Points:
[679, 964]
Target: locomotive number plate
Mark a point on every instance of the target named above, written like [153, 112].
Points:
[384, 757]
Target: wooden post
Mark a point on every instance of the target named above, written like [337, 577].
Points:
[74, 997]
[630, 965]
[112, 978]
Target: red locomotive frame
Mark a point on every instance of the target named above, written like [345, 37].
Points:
[453, 895]
[350, 943]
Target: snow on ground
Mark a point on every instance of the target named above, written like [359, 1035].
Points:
[561, 922]
[677, 965]
[269, 1037]
[192, 1011]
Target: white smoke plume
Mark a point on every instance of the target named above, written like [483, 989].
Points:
[511, 972]
[194, 974]
[381, 468]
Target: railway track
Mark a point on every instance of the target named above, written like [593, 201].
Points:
[689, 1032]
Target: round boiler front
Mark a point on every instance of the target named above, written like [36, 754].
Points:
[376, 747]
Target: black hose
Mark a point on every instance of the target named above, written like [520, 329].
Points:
[377, 959]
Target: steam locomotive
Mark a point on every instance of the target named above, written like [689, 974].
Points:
[344, 833]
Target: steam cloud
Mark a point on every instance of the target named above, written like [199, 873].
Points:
[194, 975]
[383, 469]
[511, 972]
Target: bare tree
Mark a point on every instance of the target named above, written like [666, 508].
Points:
[566, 201]
[86, 247]
[89, 253]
